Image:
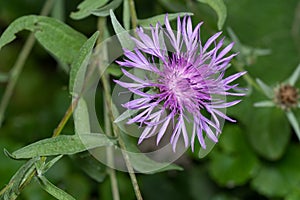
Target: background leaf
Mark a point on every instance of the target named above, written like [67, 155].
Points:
[220, 8]
[269, 136]
[104, 11]
[86, 7]
[58, 38]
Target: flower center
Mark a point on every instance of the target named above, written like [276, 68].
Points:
[286, 96]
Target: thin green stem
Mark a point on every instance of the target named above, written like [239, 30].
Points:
[133, 14]
[116, 131]
[110, 154]
[19, 64]
[247, 77]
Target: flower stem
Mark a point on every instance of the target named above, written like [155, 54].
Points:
[247, 77]
[19, 64]
[133, 14]
[110, 154]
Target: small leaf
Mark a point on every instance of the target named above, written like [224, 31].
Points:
[78, 67]
[123, 35]
[81, 118]
[126, 14]
[63, 145]
[264, 104]
[294, 77]
[269, 132]
[220, 8]
[235, 163]
[58, 38]
[105, 11]
[266, 89]
[161, 18]
[294, 122]
[53, 190]
[114, 70]
[143, 163]
[86, 7]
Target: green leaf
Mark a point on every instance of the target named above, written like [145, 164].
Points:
[58, 38]
[281, 179]
[91, 166]
[86, 7]
[269, 132]
[123, 35]
[233, 162]
[63, 145]
[81, 118]
[53, 190]
[220, 8]
[126, 14]
[18, 178]
[114, 70]
[142, 163]
[270, 182]
[105, 11]
[161, 18]
[78, 67]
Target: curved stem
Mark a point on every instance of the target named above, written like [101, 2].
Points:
[18, 66]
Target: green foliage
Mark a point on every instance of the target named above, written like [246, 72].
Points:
[78, 67]
[272, 136]
[58, 38]
[53, 190]
[63, 145]
[105, 11]
[123, 36]
[234, 162]
[220, 8]
[86, 7]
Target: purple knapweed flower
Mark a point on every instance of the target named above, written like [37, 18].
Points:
[187, 83]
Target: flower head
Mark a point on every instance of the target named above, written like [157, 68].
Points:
[186, 82]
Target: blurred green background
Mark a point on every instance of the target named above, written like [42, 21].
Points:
[257, 158]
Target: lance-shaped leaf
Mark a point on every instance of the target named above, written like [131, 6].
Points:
[53, 190]
[264, 104]
[266, 89]
[78, 67]
[294, 122]
[63, 145]
[123, 35]
[220, 8]
[58, 38]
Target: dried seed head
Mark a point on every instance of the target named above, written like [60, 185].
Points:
[286, 96]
